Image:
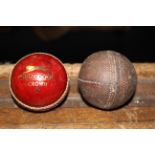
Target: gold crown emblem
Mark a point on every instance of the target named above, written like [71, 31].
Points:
[33, 68]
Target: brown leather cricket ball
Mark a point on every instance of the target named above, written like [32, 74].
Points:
[107, 80]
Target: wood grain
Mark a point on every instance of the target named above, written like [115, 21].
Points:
[75, 113]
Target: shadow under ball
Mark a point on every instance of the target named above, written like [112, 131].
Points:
[107, 80]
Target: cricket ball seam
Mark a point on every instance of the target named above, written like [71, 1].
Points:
[114, 87]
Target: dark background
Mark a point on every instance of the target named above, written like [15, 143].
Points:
[75, 44]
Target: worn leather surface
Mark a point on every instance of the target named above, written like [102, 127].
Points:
[107, 79]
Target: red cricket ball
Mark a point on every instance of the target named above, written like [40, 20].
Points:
[39, 81]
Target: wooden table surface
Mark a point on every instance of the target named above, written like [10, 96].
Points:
[75, 113]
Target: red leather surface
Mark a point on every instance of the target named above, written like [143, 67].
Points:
[38, 80]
